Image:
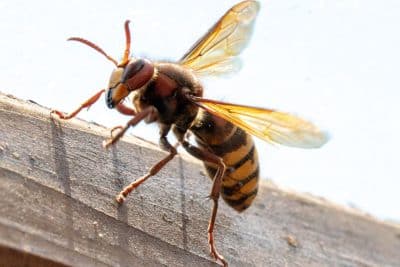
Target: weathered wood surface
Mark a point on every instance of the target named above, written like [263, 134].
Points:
[57, 189]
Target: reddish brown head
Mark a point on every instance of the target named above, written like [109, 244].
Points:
[130, 74]
[128, 78]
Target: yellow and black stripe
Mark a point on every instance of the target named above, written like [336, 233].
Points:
[237, 150]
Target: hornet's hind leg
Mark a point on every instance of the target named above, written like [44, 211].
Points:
[204, 155]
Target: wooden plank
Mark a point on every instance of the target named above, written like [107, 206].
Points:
[57, 189]
[15, 258]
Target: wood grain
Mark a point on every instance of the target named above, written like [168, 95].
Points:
[57, 189]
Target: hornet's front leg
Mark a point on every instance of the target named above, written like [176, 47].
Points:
[85, 104]
[90, 101]
[165, 145]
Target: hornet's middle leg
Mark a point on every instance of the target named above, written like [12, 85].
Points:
[135, 120]
[165, 145]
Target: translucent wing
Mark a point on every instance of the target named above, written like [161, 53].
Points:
[270, 125]
[216, 52]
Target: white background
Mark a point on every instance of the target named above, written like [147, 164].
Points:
[333, 62]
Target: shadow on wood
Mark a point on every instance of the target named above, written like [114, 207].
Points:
[57, 188]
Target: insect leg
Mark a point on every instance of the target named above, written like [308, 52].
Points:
[204, 155]
[123, 109]
[153, 170]
[135, 120]
[85, 104]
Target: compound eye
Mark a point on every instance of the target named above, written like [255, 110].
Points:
[132, 69]
[137, 73]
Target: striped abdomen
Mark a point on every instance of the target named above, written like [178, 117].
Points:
[237, 150]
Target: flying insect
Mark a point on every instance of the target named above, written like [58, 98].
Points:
[171, 95]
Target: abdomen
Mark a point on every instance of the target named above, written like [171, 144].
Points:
[237, 150]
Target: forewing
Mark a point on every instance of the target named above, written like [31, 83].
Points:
[216, 52]
[270, 125]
